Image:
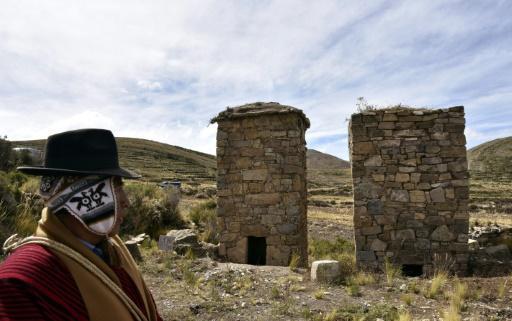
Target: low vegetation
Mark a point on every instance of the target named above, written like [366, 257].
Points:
[204, 216]
[153, 210]
[20, 206]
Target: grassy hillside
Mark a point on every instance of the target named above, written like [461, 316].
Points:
[492, 159]
[318, 160]
[156, 161]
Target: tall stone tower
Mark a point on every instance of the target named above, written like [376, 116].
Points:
[261, 184]
[410, 174]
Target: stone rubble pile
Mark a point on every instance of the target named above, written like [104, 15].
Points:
[183, 241]
[489, 250]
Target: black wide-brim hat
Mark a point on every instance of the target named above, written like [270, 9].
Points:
[79, 153]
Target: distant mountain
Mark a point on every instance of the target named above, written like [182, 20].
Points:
[319, 160]
[493, 158]
[158, 161]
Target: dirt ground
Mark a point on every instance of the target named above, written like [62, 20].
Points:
[202, 289]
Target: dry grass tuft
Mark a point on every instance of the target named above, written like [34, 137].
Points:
[502, 287]
[406, 298]
[438, 282]
[294, 261]
[362, 278]
[319, 294]
[458, 295]
[392, 272]
[404, 316]
[354, 290]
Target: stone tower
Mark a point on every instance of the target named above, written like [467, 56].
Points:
[261, 184]
[410, 175]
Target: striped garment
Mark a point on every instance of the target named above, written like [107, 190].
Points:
[35, 285]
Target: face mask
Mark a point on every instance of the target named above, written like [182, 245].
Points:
[91, 200]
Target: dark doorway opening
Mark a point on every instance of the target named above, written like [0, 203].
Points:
[412, 270]
[256, 250]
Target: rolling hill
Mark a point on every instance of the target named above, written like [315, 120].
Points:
[158, 161]
[318, 160]
[492, 159]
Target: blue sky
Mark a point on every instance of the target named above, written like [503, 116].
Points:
[162, 69]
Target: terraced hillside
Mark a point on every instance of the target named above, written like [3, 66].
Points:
[157, 161]
[492, 159]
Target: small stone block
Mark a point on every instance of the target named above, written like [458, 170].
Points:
[325, 271]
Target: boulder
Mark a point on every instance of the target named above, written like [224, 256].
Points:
[500, 252]
[187, 236]
[185, 241]
[326, 271]
[211, 249]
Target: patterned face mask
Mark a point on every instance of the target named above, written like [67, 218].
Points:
[90, 199]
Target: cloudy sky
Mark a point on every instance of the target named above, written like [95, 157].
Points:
[162, 69]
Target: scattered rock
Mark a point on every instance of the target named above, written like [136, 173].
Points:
[186, 236]
[500, 252]
[473, 245]
[166, 243]
[133, 246]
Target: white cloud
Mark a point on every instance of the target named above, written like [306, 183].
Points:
[150, 85]
[160, 70]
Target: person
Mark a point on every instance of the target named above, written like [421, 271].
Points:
[75, 266]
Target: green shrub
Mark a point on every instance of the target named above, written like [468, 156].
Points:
[325, 249]
[205, 217]
[27, 214]
[199, 214]
[5, 153]
[152, 210]
[19, 210]
[8, 194]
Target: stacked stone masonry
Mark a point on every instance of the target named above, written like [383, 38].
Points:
[410, 177]
[261, 182]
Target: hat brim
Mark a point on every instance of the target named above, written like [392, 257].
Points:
[43, 171]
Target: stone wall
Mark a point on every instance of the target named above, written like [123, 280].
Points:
[410, 176]
[261, 181]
